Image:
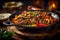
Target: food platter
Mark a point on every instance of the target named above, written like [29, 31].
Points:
[12, 4]
[34, 29]
[35, 18]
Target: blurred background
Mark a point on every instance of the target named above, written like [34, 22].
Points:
[40, 3]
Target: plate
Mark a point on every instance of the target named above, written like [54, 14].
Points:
[4, 16]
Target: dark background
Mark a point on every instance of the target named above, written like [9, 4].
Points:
[28, 2]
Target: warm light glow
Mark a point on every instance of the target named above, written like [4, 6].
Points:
[37, 2]
[53, 5]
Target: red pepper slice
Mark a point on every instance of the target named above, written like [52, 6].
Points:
[41, 24]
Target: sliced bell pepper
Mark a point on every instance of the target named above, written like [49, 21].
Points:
[41, 24]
